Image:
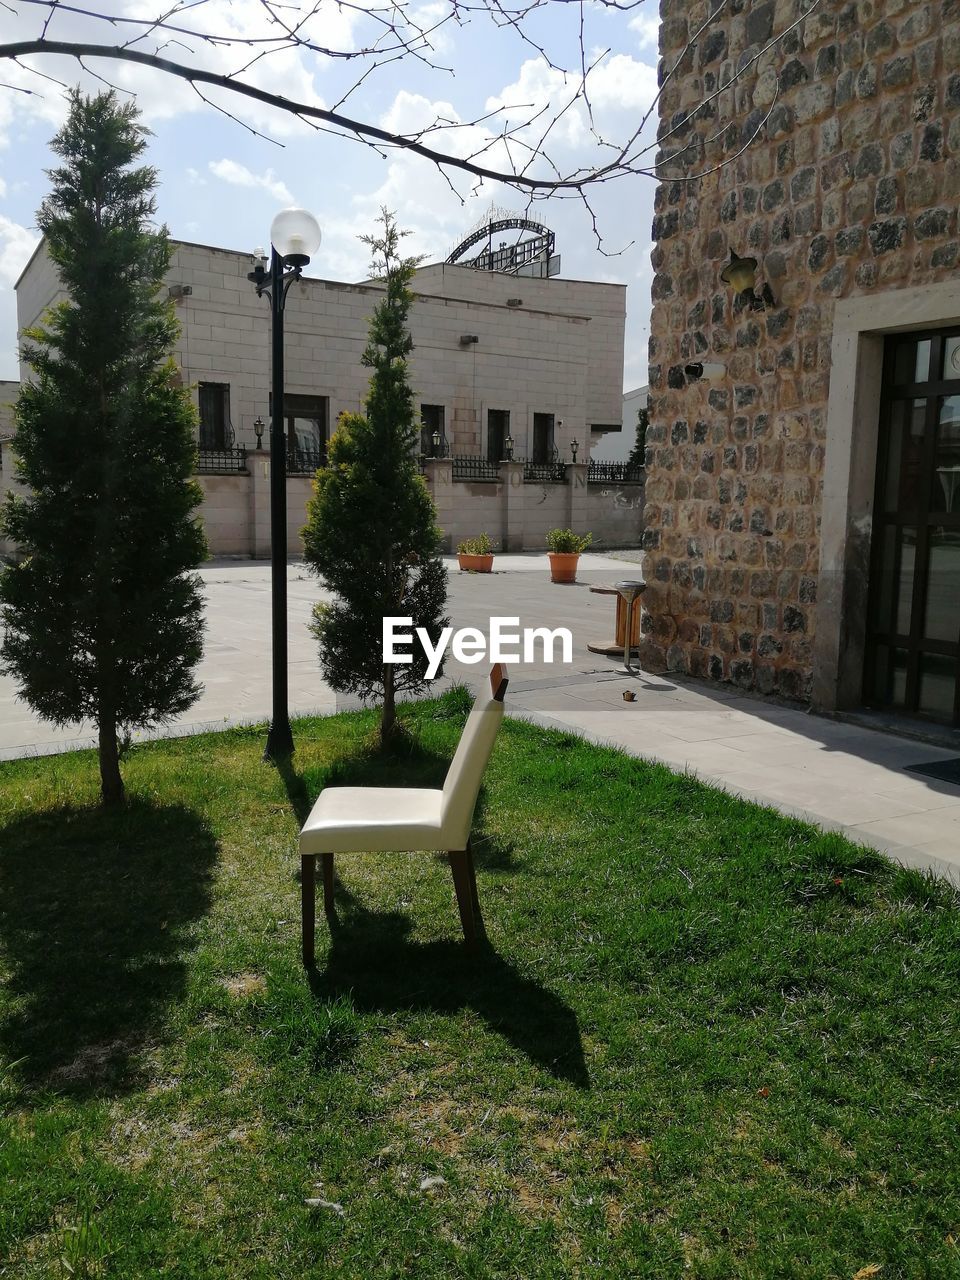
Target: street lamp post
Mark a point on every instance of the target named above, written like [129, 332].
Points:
[294, 237]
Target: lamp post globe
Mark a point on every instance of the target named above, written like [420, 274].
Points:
[295, 234]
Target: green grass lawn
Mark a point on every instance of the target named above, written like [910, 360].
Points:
[704, 1041]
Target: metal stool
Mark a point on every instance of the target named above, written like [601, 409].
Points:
[629, 590]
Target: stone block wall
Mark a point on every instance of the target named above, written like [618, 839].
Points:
[847, 185]
[515, 515]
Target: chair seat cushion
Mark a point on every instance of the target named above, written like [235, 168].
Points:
[355, 819]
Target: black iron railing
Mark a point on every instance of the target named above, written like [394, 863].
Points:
[614, 473]
[552, 472]
[304, 462]
[473, 467]
[212, 462]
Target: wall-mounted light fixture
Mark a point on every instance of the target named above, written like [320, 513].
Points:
[709, 372]
[258, 428]
[508, 448]
[574, 448]
[741, 275]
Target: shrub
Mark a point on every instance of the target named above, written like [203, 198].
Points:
[478, 546]
[566, 542]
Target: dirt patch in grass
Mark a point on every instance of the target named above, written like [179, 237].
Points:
[242, 985]
[94, 1064]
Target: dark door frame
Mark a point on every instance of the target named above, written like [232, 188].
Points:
[882, 628]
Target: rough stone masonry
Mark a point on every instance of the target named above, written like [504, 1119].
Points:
[842, 144]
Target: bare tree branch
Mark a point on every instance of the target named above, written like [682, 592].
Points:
[513, 144]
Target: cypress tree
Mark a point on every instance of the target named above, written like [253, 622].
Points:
[103, 620]
[638, 453]
[371, 528]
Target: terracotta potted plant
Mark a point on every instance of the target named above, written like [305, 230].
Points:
[564, 548]
[475, 555]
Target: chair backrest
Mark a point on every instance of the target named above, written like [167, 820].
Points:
[462, 785]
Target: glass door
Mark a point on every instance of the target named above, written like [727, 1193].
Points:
[913, 650]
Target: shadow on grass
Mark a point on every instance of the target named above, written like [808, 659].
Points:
[295, 785]
[95, 914]
[372, 962]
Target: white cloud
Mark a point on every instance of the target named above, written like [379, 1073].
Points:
[16, 245]
[415, 189]
[290, 72]
[439, 27]
[647, 27]
[238, 175]
[623, 83]
[619, 87]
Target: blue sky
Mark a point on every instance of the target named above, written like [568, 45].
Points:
[221, 185]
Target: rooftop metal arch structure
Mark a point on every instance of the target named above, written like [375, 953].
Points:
[524, 257]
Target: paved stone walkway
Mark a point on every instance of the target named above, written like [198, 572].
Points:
[839, 775]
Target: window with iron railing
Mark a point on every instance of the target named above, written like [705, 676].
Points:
[431, 425]
[214, 405]
[498, 428]
[543, 443]
[306, 430]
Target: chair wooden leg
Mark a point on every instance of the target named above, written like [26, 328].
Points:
[460, 866]
[328, 883]
[474, 896]
[308, 893]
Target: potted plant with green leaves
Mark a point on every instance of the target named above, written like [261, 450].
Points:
[475, 555]
[564, 548]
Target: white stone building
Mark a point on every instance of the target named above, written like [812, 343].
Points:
[496, 356]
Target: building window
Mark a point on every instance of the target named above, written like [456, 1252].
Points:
[431, 421]
[542, 437]
[306, 420]
[214, 403]
[498, 428]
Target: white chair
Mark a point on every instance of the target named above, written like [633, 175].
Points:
[358, 819]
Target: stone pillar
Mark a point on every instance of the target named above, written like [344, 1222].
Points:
[511, 476]
[438, 473]
[258, 464]
[577, 506]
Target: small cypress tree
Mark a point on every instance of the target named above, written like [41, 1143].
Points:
[103, 620]
[371, 528]
[639, 451]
